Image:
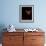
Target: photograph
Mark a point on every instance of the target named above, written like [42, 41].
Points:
[26, 13]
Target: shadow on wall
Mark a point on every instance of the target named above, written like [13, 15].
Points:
[2, 26]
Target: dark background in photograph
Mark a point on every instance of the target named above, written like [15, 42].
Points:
[26, 13]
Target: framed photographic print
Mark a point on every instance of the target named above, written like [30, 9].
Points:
[26, 13]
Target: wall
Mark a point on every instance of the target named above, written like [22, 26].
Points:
[9, 13]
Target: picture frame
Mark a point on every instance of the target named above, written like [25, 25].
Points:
[26, 13]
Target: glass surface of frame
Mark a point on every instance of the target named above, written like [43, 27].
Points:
[26, 13]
